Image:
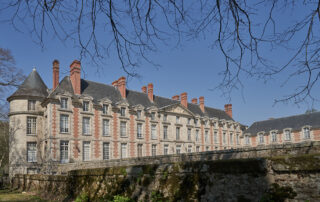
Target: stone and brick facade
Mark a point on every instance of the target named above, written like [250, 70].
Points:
[80, 120]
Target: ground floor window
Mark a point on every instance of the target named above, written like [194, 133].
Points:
[86, 151]
[178, 149]
[106, 150]
[154, 150]
[64, 152]
[123, 150]
[140, 150]
[32, 152]
[166, 149]
[189, 149]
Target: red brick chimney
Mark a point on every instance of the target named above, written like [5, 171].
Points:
[175, 97]
[75, 69]
[150, 92]
[122, 86]
[228, 109]
[115, 83]
[201, 102]
[144, 89]
[184, 99]
[55, 69]
[194, 101]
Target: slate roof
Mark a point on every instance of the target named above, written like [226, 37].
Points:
[33, 85]
[99, 91]
[293, 122]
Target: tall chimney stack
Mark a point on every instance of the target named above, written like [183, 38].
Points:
[150, 92]
[55, 69]
[184, 99]
[201, 102]
[144, 89]
[194, 101]
[228, 109]
[175, 97]
[122, 86]
[75, 77]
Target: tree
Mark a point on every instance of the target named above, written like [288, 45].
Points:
[4, 144]
[242, 30]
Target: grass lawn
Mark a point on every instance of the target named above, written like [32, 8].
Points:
[13, 195]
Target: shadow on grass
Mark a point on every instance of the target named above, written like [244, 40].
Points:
[16, 195]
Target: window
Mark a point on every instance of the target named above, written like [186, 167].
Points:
[123, 128]
[261, 138]
[105, 109]
[177, 119]
[197, 135]
[189, 121]
[31, 125]
[64, 151]
[189, 134]
[86, 151]
[64, 103]
[64, 123]
[123, 150]
[106, 128]
[247, 140]
[106, 150]
[165, 132]
[214, 124]
[215, 137]
[154, 150]
[206, 136]
[139, 114]
[153, 132]
[31, 105]
[189, 148]
[273, 136]
[178, 149]
[177, 133]
[123, 111]
[32, 152]
[85, 106]
[198, 149]
[306, 133]
[153, 116]
[215, 148]
[224, 138]
[139, 148]
[165, 117]
[237, 139]
[287, 134]
[231, 138]
[207, 148]
[166, 149]
[139, 130]
[86, 126]
[205, 122]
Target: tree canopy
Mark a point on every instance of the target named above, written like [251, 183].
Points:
[242, 30]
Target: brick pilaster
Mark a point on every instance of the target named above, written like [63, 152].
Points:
[115, 135]
[147, 137]
[76, 132]
[97, 152]
[132, 147]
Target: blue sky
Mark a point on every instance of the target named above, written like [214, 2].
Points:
[193, 68]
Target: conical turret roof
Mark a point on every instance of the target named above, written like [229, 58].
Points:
[33, 85]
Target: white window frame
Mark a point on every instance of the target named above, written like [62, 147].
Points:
[215, 136]
[178, 149]
[31, 125]
[306, 136]
[189, 134]
[139, 131]
[287, 134]
[64, 123]
[86, 147]
[139, 114]
[86, 122]
[177, 133]
[124, 150]
[247, 140]
[105, 108]
[165, 117]
[261, 138]
[224, 138]
[231, 138]
[197, 135]
[64, 103]
[154, 150]
[206, 136]
[153, 116]
[123, 111]
[106, 150]
[165, 132]
[189, 148]
[105, 127]
[32, 152]
[273, 135]
[166, 149]
[197, 148]
[86, 106]
[64, 151]
[123, 129]
[31, 105]
[153, 131]
[139, 150]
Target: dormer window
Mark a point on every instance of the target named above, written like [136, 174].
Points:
[139, 114]
[165, 117]
[196, 121]
[31, 105]
[189, 121]
[64, 103]
[123, 111]
[153, 116]
[177, 119]
[287, 135]
[85, 106]
[247, 140]
[306, 133]
[273, 136]
[105, 109]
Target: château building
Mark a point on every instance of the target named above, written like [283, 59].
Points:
[80, 120]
